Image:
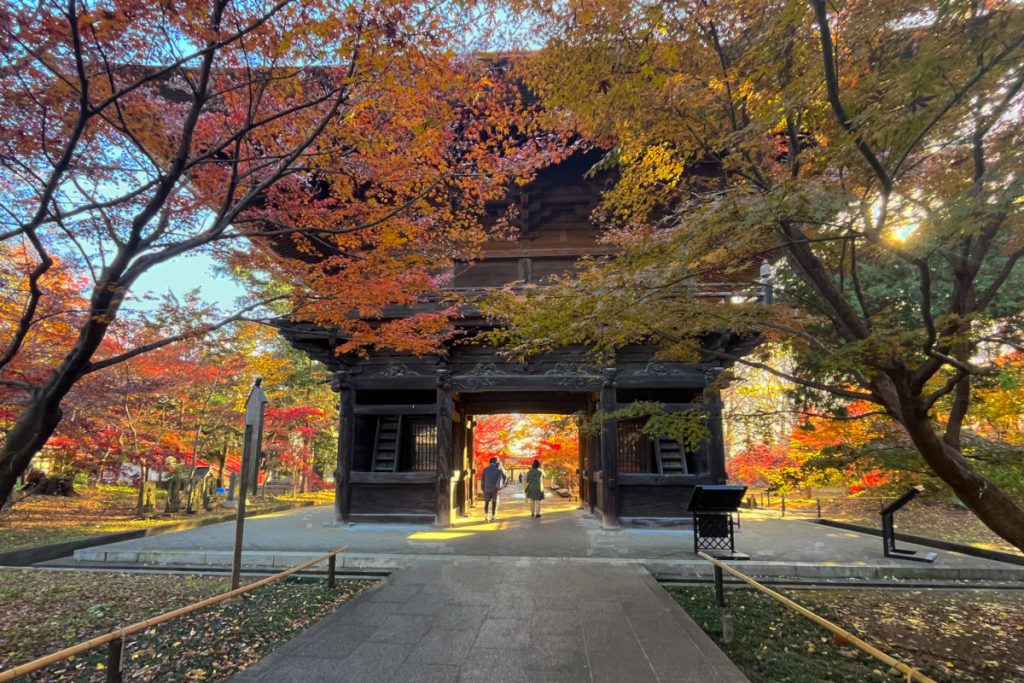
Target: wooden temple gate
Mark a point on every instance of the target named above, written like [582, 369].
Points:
[405, 451]
[406, 438]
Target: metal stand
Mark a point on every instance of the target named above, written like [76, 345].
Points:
[713, 507]
[713, 531]
[889, 548]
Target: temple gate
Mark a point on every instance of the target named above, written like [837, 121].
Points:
[405, 451]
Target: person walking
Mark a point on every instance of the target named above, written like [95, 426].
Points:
[492, 480]
[535, 488]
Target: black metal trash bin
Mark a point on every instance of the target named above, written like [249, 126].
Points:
[712, 507]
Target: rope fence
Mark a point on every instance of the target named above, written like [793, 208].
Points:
[115, 639]
[910, 672]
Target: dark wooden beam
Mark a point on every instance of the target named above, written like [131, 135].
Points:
[445, 410]
[715, 448]
[640, 479]
[408, 409]
[393, 477]
[496, 403]
[410, 382]
[609, 454]
[541, 382]
[346, 452]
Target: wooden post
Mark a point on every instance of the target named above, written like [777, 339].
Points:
[728, 627]
[236, 558]
[115, 653]
[445, 410]
[719, 587]
[332, 564]
[257, 449]
[254, 406]
[783, 504]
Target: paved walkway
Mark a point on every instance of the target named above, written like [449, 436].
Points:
[504, 620]
[777, 547]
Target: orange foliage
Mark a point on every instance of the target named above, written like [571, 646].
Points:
[517, 440]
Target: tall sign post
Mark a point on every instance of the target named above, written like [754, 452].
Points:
[252, 439]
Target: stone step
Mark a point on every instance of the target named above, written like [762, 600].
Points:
[663, 569]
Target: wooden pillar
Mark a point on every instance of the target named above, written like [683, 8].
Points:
[593, 460]
[609, 453]
[346, 449]
[581, 469]
[459, 461]
[471, 462]
[445, 411]
[716, 437]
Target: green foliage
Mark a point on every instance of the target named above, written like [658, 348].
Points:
[871, 151]
[948, 635]
[773, 644]
[688, 427]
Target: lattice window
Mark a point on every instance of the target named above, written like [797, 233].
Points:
[423, 444]
[634, 446]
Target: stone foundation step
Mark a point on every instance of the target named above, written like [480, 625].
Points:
[663, 569]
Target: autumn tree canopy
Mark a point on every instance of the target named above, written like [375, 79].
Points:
[519, 439]
[871, 151]
[339, 151]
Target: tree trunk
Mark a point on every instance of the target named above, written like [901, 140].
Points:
[34, 427]
[41, 415]
[993, 506]
[140, 500]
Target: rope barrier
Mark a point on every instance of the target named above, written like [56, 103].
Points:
[120, 634]
[910, 672]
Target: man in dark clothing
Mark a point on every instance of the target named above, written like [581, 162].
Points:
[493, 480]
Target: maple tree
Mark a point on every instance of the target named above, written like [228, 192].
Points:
[290, 443]
[858, 452]
[772, 465]
[871, 151]
[1000, 400]
[518, 439]
[339, 151]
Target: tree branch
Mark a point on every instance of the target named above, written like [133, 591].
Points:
[810, 384]
[832, 91]
[200, 331]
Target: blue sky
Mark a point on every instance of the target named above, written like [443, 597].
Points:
[182, 274]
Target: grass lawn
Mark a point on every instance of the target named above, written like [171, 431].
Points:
[950, 635]
[317, 497]
[42, 520]
[43, 611]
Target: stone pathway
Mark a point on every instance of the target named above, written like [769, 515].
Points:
[777, 547]
[504, 620]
